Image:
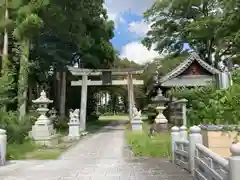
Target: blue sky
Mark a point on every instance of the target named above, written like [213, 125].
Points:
[122, 34]
[130, 28]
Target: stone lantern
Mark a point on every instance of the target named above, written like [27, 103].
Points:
[161, 121]
[42, 131]
[53, 114]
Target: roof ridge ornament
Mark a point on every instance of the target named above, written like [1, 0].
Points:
[193, 54]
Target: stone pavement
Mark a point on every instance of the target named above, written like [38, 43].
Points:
[102, 156]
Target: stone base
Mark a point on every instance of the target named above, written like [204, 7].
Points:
[44, 134]
[49, 141]
[73, 138]
[74, 131]
[84, 133]
[159, 127]
[41, 131]
[136, 125]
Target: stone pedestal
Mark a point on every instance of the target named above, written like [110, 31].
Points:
[74, 131]
[3, 147]
[161, 123]
[43, 132]
[74, 126]
[137, 123]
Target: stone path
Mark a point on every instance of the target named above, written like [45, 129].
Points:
[100, 157]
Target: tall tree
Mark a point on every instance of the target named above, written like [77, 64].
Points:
[27, 24]
[203, 24]
[79, 27]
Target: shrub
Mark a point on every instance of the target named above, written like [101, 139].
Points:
[17, 131]
[151, 113]
[208, 105]
[93, 117]
[61, 124]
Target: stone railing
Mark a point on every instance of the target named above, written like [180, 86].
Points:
[3, 146]
[189, 153]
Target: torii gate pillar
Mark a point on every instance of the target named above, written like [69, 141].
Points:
[83, 102]
[131, 101]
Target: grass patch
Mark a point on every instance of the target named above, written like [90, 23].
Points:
[44, 154]
[18, 151]
[29, 150]
[143, 145]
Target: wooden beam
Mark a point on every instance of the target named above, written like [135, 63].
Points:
[114, 83]
[98, 72]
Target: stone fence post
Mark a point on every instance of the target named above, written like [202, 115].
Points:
[175, 136]
[195, 137]
[183, 103]
[3, 146]
[234, 162]
[183, 133]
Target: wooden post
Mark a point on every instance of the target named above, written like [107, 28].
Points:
[129, 105]
[83, 103]
[132, 90]
[130, 95]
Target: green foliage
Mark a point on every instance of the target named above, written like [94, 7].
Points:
[151, 113]
[6, 89]
[210, 27]
[93, 117]
[143, 145]
[236, 76]
[16, 151]
[170, 62]
[28, 27]
[17, 131]
[207, 105]
[61, 124]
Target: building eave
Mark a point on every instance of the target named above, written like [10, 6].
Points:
[185, 64]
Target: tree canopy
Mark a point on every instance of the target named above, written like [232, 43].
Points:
[210, 27]
[39, 39]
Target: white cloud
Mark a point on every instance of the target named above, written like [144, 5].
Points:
[134, 51]
[135, 6]
[116, 7]
[138, 53]
[140, 28]
[112, 16]
[121, 20]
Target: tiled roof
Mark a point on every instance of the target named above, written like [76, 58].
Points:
[185, 64]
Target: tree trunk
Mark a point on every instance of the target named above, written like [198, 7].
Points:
[63, 95]
[23, 78]
[30, 93]
[5, 44]
[58, 90]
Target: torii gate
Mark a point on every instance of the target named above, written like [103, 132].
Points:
[106, 80]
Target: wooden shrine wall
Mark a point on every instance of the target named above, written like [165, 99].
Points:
[195, 69]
